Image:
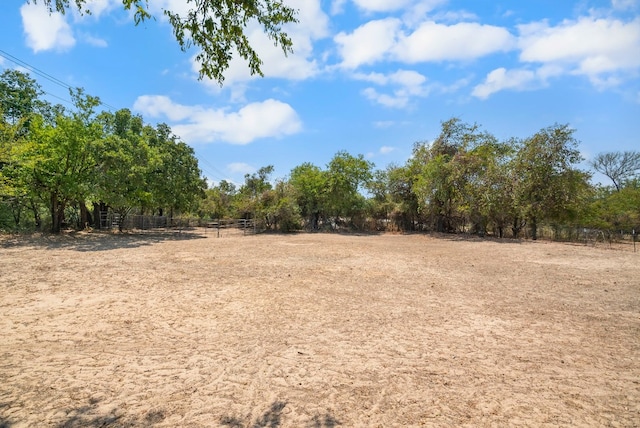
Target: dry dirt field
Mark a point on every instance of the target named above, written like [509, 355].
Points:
[316, 330]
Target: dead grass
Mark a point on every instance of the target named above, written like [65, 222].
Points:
[316, 330]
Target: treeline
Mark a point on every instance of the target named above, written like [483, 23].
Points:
[68, 167]
[61, 168]
[463, 181]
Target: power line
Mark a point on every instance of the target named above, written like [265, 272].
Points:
[45, 75]
[217, 174]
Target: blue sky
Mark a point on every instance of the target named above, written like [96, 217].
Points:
[371, 77]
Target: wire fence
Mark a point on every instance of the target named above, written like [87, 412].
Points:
[619, 239]
[214, 227]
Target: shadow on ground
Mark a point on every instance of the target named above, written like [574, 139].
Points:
[89, 416]
[467, 237]
[95, 241]
[272, 419]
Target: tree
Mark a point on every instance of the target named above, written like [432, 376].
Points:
[279, 209]
[175, 181]
[310, 186]
[347, 175]
[449, 172]
[59, 157]
[19, 97]
[217, 27]
[496, 192]
[249, 201]
[380, 205]
[218, 200]
[549, 187]
[618, 166]
[11, 192]
[400, 187]
[19, 104]
[124, 160]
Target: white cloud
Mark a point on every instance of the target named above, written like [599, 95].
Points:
[369, 43]
[240, 168]
[99, 7]
[159, 105]
[197, 124]
[382, 5]
[501, 79]
[384, 150]
[412, 80]
[397, 100]
[45, 31]
[589, 46]
[93, 41]
[157, 7]
[408, 84]
[413, 7]
[604, 50]
[384, 39]
[624, 4]
[337, 7]
[384, 124]
[462, 41]
[419, 11]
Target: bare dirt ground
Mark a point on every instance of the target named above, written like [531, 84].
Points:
[316, 330]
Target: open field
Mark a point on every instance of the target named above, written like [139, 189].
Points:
[316, 330]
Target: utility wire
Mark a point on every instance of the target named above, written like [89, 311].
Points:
[217, 174]
[45, 75]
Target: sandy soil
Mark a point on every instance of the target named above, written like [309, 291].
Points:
[316, 330]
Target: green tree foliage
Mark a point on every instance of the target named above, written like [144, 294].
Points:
[58, 157]
[218, 201]
[19, 98]
[496, 190]
[451, 173]
[175, 179]
[19, 104]
[310, 185]
[549, 187]
[278, 208]
[124, 160]
[216, 27]
[615, 209]
[249, 202]
[63, 160]
[347, 176]
[406, 209]
[55, 161]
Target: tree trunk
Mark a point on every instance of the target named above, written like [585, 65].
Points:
[534, 228]
[36, 214]
[16, 211]
[96, 216]
[84, 215]
[516, 227]
[57, 213]
[98, 210]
